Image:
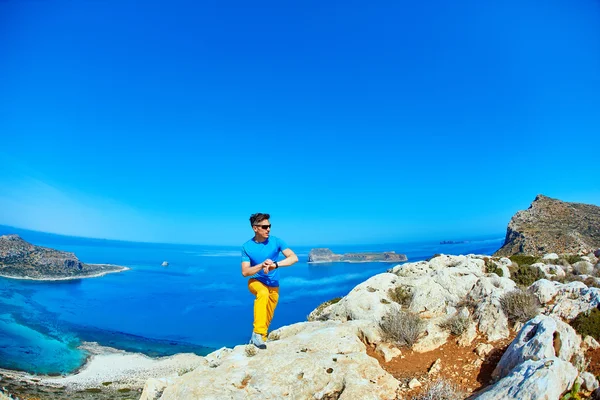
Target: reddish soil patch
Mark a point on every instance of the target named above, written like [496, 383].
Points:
[594, 357]
[459, 365]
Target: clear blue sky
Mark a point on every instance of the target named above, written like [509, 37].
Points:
[349, 122]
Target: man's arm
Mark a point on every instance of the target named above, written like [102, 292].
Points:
[290, 258]
[247, 270]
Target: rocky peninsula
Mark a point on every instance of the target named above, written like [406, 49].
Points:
[22, 260]
[324, 255]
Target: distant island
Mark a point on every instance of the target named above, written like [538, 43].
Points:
[453, 241]
[22, 260]
[323, 255]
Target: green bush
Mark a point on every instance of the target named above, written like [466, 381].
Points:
[523, 259]
[401, 327]
[571, 258]
[492, 268]
[588, 323]
[519, 305]
[401, 295]
[525, 275]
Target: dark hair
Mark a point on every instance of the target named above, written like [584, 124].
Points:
[258, 217]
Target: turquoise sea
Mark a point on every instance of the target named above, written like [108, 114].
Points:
[198, 303]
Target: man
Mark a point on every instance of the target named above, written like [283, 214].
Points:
[260, 262]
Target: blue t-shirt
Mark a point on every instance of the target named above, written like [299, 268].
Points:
[256, 252]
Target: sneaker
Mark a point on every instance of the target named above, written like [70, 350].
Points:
[258, 341]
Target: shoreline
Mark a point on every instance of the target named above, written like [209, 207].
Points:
[68, 278]
[119, 368]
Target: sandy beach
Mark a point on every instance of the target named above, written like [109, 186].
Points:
[106, 371]
[68, 278]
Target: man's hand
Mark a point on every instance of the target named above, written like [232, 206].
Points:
[268, 265]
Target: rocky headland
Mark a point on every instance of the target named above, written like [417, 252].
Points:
[324, 255]
[553, 226]
[22, 260]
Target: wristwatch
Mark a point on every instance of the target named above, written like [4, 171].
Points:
[276, 265]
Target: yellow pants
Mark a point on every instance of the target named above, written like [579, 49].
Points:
[264, 305]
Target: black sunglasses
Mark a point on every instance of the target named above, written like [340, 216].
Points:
[263, 226]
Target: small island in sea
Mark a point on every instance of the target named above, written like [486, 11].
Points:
[324, 255]
[22, 260]
[453, 241]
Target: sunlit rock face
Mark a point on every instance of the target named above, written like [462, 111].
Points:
[553, 226]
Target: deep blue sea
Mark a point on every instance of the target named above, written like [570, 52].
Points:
[198, 303]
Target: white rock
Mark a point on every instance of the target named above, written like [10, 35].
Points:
[387, 351]
[468, 336]
[483, 349]
[363, 302]
[583, 268]
[551, 256]
[214, 359]
[589, 381]
[544, 290]
[437, 286]
[435, 337]
[533, 380]
[492, 321]
[551, 271]
[414, 383]
[436, 367]
[505, 261]
[153, 388]
[590, 343]
[310, 360]
[574, 298]
[541, 338]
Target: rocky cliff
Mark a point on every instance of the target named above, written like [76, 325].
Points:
[553, 226]
[325, 255]
[20, 259]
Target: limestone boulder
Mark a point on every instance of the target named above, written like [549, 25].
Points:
[435, 287]
[534, 380]
[369, 300]
[550, 270]
[583, 268]
[318, 360]
[588, 381]
[544, 290]
[541, 338]
[550, 257]
[574, 298]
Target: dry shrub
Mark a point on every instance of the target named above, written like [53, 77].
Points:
[401, 327]
[457, 324]
[441, 389]
[519, 305]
